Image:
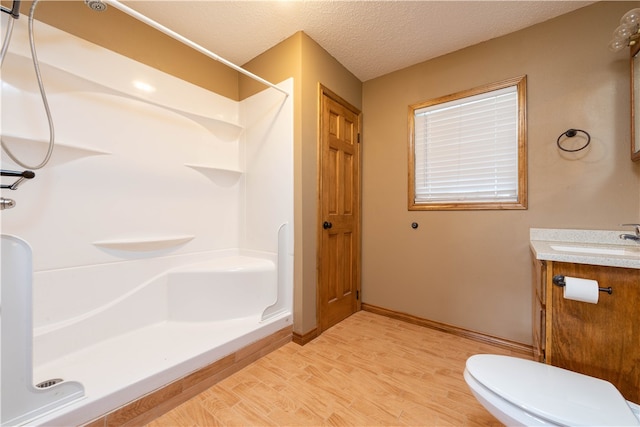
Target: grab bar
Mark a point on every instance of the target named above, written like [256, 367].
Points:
[21, 177]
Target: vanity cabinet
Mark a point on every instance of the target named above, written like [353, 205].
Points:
[600, 340]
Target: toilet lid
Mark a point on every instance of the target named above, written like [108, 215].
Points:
[554, 394]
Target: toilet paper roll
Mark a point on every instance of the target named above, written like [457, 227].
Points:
[585, 290]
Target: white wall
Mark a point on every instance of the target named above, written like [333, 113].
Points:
[268, 156]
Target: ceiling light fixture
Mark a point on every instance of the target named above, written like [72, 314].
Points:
[628, 33]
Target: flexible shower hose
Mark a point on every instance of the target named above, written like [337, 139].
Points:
[43, 94]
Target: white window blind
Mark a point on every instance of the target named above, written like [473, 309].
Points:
[466, 150]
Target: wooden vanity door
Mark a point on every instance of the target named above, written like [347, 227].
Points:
[601, 340]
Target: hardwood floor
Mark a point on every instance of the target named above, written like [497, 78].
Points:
[369, 370]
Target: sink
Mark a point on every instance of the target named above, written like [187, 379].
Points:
[596, 250]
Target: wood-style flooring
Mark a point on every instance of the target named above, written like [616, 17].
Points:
[369, 370]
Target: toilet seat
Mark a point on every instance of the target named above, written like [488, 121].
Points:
[550, 393]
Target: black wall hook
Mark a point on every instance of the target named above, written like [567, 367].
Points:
[570, 133]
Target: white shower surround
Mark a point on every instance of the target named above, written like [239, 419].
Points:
[143, 186]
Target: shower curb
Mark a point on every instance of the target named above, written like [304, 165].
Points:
[151, 406]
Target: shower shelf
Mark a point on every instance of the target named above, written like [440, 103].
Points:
[62, 153]
[63, 81]
[216, 174]
[224, 130]
[144, 245]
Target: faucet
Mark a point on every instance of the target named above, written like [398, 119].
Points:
[634, 237]
[6, 203]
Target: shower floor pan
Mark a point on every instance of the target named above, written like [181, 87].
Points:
[121, 369]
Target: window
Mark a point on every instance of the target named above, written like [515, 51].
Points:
[468, 150]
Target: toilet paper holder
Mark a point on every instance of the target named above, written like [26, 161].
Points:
[558, 280]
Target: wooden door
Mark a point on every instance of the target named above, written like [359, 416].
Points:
[339, 210]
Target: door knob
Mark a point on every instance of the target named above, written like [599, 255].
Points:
[327, 225]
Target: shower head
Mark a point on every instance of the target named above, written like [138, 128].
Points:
[97, 5]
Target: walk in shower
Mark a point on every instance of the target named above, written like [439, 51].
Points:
[158, 238]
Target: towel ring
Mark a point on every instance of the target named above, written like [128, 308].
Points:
[570, 134]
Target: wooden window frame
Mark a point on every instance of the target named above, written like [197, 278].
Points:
[521, 202]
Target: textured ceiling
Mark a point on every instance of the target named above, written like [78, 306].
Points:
[370, 38]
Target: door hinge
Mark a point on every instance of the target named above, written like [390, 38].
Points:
[358, 295]
[358, 138]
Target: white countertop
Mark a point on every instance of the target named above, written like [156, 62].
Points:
[595, 247]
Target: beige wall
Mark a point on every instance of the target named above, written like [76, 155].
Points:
[472, 269]
[306, 61]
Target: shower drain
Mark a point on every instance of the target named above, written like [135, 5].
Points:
[49, 383]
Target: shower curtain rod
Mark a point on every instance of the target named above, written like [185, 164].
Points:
[139, 16]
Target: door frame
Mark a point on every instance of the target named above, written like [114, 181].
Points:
[322, 92]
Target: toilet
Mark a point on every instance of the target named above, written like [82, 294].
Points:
[521, 392]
